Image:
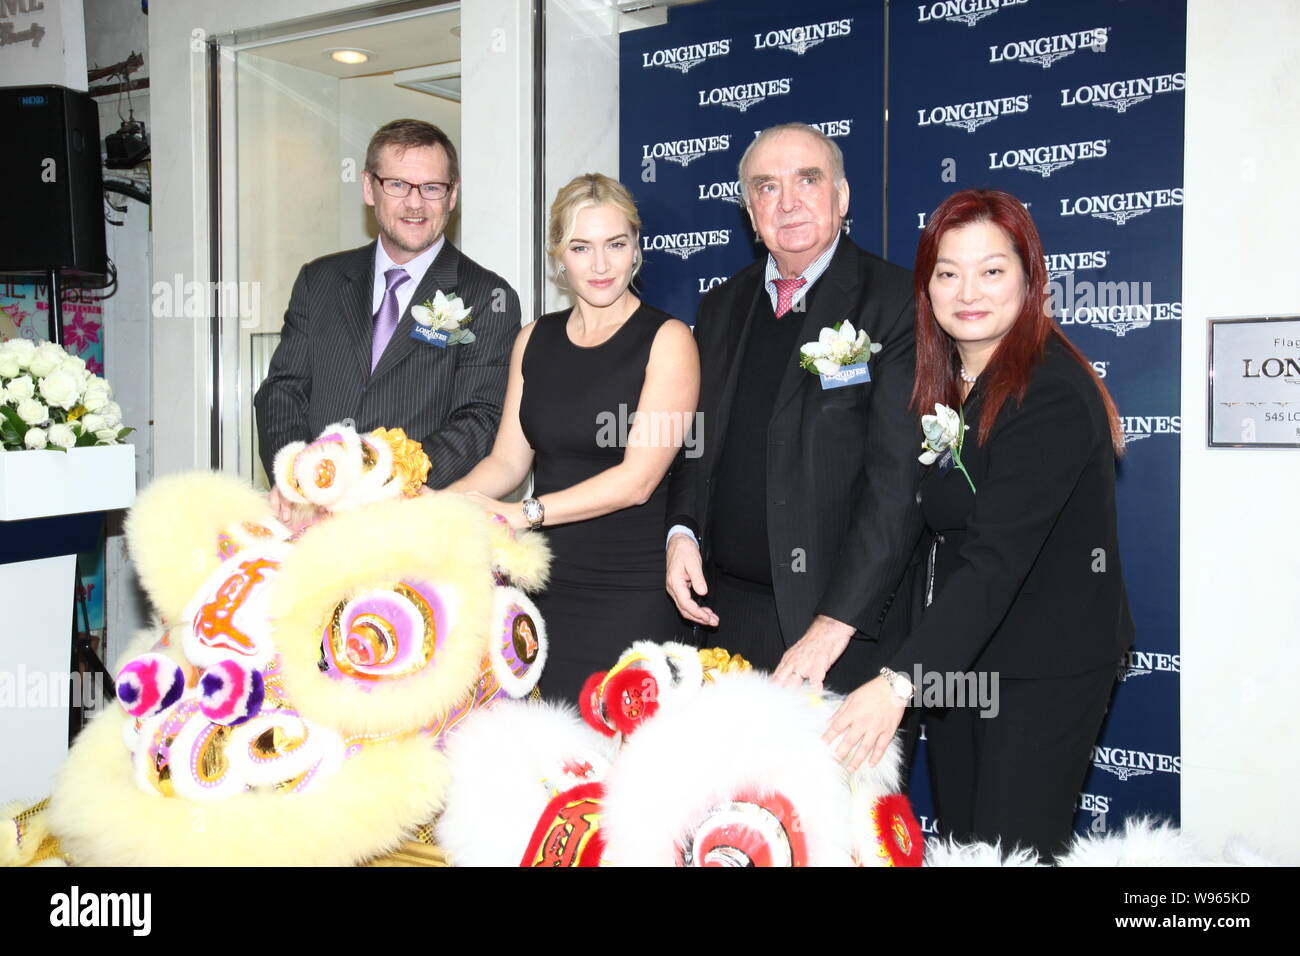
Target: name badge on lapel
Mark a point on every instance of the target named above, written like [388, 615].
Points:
[840, 355]
[434, 337]
[441, 321]
[847, 375]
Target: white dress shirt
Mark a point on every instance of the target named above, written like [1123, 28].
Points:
[416, 269]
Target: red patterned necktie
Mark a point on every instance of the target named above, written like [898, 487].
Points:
[785, 290]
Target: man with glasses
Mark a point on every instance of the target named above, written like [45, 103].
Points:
[350, 348]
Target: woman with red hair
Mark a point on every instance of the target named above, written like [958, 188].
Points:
[1021, 584]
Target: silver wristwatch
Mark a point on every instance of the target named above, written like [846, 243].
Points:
[900, 685]
[534, 513]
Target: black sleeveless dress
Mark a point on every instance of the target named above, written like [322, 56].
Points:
[607, 574]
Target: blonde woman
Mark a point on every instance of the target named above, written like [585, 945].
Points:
[599, 401]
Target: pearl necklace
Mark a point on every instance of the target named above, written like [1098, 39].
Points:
[968, 379]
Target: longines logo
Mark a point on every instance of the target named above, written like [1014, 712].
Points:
[1121, 319]
[1093, 802]
[1119, 208]
[1044, 51]
[686, 244]
[971, 116]
[834, 128]
[969, 12]
[1138, 427]
[1134, 763]
[802, 39]
[684, 58]
[727, 192]
[1285, 368]
[706, 283]
[1121, 94]
[1060, 264]
[1046, 160]
[1141, 663]
[686, 151]
[744, 95]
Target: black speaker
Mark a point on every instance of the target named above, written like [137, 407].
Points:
[50, 166]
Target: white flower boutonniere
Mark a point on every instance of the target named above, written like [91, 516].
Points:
[836, 348]
[839, 356]
[944, 431]
[442, 320]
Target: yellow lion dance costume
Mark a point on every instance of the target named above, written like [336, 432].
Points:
[292, 705]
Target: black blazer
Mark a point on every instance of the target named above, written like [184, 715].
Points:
[449, 399]
[1026, 578]
[841, 463]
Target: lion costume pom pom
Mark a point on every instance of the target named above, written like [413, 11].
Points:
[292, 706]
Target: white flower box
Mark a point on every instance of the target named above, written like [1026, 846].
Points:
[42, 484]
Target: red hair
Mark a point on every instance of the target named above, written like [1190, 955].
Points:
[1009, 370]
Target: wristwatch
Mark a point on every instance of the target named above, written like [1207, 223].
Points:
[534, 513]
[900, 685]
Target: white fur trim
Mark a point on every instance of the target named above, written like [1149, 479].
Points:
[1142, 842]
[500, 760]
[741, 733]
[363, 810]
[952, 853]
[280, 468]
[507, 602]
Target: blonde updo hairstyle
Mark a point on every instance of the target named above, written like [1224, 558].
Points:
[584, 192]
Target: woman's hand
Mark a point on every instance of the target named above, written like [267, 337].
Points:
[510, 510]
[865, 724]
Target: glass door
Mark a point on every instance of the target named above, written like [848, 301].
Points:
[295, 114]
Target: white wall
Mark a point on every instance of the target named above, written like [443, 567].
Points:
[496, 138]
[1240, 603]
[59, 57]
[581, 107]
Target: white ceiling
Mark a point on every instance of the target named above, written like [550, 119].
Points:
[396, 45]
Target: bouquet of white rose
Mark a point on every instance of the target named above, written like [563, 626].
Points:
[49, 400]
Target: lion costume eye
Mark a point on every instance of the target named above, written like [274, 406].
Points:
[752, 829]
[383, 634]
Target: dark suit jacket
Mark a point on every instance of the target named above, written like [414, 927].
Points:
[841, 463]
[1027, 579]
[449, 399]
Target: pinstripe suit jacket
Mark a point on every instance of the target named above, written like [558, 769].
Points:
[447, 398]
[842, 516]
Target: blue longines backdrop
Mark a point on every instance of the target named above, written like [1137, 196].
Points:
[1074, 106]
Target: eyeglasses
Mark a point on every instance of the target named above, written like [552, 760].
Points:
[400, 188]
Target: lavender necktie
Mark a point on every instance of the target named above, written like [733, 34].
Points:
[386, 317]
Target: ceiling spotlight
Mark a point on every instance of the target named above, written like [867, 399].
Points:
[349, 56]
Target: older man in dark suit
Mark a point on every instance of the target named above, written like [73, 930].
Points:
[797, 521]
[347, 350]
